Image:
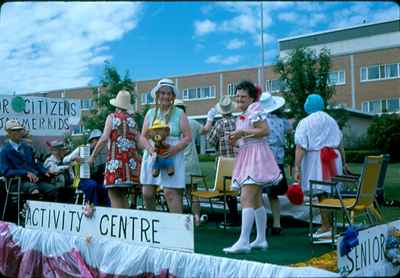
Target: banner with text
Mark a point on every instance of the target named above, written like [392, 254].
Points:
[40, 115]
[157, 229]
[368, 257]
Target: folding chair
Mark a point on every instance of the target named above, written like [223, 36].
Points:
[10, 193]
[221, 186]
[351, 182]
[362, 203]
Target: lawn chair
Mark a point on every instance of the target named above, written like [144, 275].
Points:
[363, 201]
[351, 182]
[222, 188]
[8, 182]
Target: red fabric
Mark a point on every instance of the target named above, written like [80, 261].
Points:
[295, 194]
[328, 162]
[119, 152]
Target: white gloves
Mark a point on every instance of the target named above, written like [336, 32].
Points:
[211, 114]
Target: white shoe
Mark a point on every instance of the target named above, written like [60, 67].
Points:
[263, 245]
[323, 234]
[237, 249]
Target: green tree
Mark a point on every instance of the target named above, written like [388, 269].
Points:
[304, 72]
[110, 84]
[384, 135]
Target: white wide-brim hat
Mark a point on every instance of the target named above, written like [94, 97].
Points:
[271, 103]
[123, 101]
[165, 82]
[225, 105]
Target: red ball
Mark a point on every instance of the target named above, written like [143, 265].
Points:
[295, 194]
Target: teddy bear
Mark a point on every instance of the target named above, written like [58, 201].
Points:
[158, 132]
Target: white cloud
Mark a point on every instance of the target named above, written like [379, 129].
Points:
[218, 59]
[235, 44]
[45, 46]
[204, 27]
[288, 16]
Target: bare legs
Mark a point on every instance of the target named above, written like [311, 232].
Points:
[118, 197]
[172, 195]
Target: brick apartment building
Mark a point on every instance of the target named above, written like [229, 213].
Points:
[365, 71]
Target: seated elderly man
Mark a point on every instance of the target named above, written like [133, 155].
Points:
[16, 159]
[62, 177]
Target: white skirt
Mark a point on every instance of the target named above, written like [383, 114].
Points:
[163, 180]
[311, 169]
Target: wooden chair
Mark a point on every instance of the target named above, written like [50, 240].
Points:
[222, 188]
[360, 204]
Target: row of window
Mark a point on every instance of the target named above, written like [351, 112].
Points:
[381, 106]
[87, 103]
[369, 73]
[380, 72]
[200, 93]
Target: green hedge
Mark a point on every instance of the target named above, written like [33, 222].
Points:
[357, 156]
[206, 157]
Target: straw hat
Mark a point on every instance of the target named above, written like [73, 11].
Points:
[225, 105]
[58, 145]
[165, 82]
[13, 125]
[123, 101]
[271, 103]
[158, 124]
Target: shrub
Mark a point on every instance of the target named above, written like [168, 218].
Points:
[384, 135]
[357, 156]
[206, 158]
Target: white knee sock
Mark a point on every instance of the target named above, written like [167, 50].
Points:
[261, 223]
[247, 225]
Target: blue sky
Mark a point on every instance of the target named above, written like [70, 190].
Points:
[46, 46]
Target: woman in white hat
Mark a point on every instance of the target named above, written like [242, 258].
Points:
[180, 136]
[279, 127]
[123, 161]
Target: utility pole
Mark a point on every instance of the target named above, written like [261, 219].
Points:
[262, 48]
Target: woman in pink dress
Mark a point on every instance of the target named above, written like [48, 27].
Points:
[255, 167]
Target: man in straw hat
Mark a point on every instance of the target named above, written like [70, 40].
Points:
[219, 138]
[279, 127]
[17, 160]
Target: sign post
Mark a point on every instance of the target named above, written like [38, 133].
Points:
[150, 228]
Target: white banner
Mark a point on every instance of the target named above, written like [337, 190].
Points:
[157, 229]
[41, 116]
[368, 257]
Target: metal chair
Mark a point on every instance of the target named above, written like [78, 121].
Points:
[10, 193]
[363, 201]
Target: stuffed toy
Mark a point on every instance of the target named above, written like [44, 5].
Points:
[392, 246]
[158, 132]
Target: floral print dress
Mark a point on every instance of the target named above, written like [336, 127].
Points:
[123, 160]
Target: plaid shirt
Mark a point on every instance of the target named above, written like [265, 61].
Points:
[219, 139]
